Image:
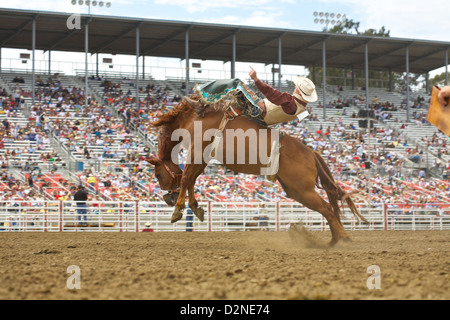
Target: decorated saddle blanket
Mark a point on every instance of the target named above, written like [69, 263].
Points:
[234, 90]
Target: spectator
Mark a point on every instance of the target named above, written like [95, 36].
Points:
[81, 196]
[148, 227]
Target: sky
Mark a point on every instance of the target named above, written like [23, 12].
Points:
[404, 18]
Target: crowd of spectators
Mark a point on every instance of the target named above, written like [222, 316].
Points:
[104, 132]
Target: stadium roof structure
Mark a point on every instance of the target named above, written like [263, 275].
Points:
[207, 41]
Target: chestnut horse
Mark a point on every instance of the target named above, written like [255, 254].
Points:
[300, 168]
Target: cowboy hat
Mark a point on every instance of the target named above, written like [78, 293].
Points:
[148, 224]
[307, 88]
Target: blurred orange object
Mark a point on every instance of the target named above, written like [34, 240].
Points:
[439, 115]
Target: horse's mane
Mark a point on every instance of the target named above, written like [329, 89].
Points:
[180, 110]
[164, 123]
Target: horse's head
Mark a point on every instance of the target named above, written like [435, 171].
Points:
[169, 178]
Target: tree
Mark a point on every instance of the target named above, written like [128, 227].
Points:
[345, 27]
[438, 80]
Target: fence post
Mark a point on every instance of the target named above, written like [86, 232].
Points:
[60, 216]
[278, 215]
[209, 216]
[137, 215]
[120, 217]
[385, 217]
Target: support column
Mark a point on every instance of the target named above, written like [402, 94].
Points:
[187, 61]
[96, 64]
[86, 49]
[390, 80]
[49, 62]
[279, 62]
[33, 48]
[324, 73]
[446, 67]
[137, 68]
[233, 57]
[143, 67]
[273, 74]
[366, 66]
[407, 84]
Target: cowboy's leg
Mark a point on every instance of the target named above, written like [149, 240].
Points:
[250, 92]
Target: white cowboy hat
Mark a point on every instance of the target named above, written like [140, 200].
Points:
[307, 88]
[148, 224]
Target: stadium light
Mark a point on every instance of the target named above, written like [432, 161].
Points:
[328, 17]
[89, 3]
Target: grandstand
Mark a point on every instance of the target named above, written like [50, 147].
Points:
[49, 147]
[109, 137]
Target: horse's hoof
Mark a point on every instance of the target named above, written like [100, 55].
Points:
[340, 243]
[200, 214]
[177, 215]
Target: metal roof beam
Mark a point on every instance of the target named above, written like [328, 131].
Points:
[174, 35]
[19, 30]
[260, 44]
[382, 55]
[424, 56]
[67, 36]
[309, 45]
[106, 44]
[214, 42]
[346, 50]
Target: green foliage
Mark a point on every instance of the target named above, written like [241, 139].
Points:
[342, 77]
[438, 80]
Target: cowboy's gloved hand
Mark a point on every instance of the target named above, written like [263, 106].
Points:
[444, 95]
[253, 75]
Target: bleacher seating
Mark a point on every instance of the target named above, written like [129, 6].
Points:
[111, 137]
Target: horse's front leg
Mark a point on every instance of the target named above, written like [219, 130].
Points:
[193, 204]
[190, 174]
[179, 205]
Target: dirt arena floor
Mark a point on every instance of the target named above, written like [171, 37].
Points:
[225, 265]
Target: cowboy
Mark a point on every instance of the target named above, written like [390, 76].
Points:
[277, 107]
[282, 106]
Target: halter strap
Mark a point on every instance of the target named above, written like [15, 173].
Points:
[176, 179]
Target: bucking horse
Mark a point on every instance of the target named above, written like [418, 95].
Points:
[298, 168]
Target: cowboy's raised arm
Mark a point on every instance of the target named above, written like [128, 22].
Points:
[253, 75]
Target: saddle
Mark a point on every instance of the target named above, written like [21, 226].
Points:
[234, 104]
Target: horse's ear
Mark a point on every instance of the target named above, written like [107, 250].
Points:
[155, 161]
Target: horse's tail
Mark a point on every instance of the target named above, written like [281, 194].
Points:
[334, 192]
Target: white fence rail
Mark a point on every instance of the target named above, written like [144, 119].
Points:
[131, 216]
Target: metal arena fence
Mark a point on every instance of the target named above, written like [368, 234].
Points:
[132, 216]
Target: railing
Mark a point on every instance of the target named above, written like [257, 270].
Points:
[131, 216]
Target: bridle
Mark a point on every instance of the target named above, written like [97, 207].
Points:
[175, 181]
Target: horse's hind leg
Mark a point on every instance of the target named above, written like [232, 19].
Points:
[313, 201]
[193, 204]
